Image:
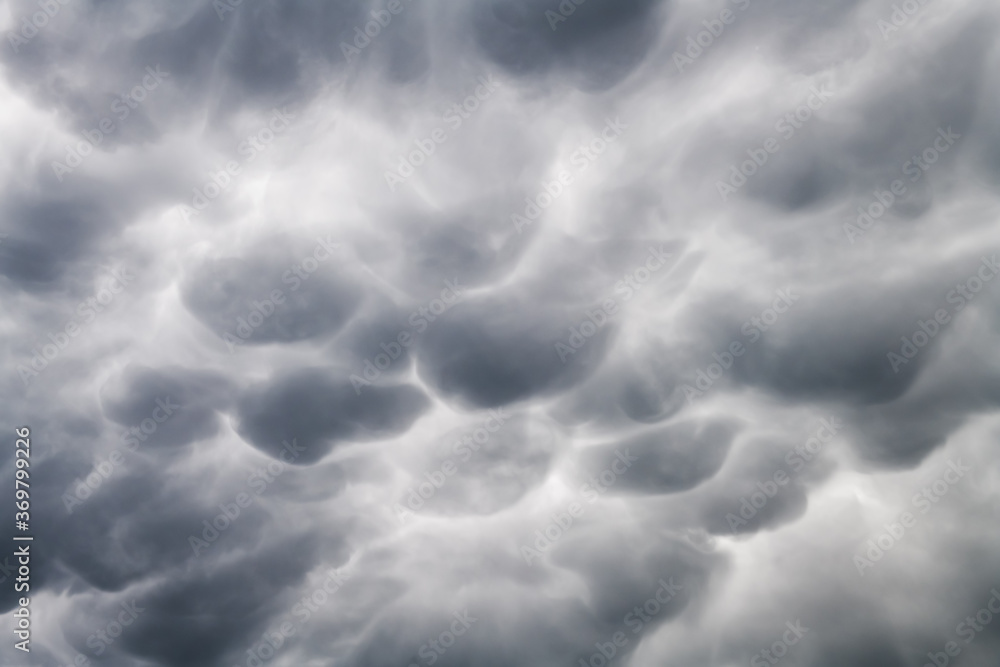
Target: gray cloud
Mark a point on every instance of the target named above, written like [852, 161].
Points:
[694, 296]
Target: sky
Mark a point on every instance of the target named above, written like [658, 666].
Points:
[413, 333]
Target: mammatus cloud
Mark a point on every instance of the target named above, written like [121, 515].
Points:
[520, 332]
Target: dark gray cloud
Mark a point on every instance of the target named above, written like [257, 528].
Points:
[492, 353]
[272, 300]
[672, 459]
[314, 409]
[182, 405]
[596, 44]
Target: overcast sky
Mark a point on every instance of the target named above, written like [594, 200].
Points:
[382, 333]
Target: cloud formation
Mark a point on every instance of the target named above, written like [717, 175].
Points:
[533, 332]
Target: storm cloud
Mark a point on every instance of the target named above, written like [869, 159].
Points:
[501, 332]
